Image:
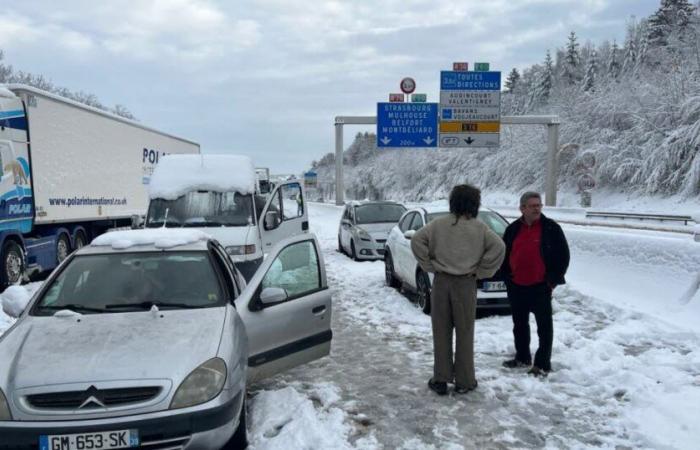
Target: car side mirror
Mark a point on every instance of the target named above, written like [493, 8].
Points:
[272, 220]
[273, 295]
[136, 222]
[408, 234]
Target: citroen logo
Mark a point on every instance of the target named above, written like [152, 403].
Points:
[91, 399]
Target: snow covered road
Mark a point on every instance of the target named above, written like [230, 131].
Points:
[621, 377]
[626, 361]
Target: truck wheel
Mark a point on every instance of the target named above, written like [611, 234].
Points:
[80, 240]
[62, 248]
[12, 264]
[423, 285]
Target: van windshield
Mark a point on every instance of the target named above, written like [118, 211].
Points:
[202, 209]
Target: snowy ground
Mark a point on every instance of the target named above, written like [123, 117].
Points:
[626, 360]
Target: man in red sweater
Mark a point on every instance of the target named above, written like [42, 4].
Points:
[536, 260]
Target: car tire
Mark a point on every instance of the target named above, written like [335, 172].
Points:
[389, 274]
[353, 253]
[239, 440]
[80, 240]
[424, 290]
[340, 246]
[62, 248]
[12, 264]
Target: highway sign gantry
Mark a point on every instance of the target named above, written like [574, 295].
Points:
[407, 125]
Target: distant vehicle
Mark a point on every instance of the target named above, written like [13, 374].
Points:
[265, 185]
[364, 228]
[68, 173]
[219, 195]
[148, 338]
[402, 269]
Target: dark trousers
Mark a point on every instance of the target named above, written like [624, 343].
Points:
[538, 300]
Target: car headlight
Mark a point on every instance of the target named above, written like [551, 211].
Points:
[203, 384]
[363, 235]
[4, 408]
[235, 250]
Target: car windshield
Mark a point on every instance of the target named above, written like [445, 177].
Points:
[202, 209]
[378, 213]
[494, 221]
[119, 282]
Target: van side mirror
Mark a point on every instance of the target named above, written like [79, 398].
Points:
[273, 295]
[272, 220]
[136, 222]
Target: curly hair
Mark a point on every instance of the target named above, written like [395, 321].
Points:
[465, 200]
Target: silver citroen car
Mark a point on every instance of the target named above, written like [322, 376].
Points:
[148, 338]
[364, 228]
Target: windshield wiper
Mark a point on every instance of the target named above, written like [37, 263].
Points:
[151, 304]
[160, 223]
[71, 307]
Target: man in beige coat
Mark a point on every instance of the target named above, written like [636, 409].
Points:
[459, 249]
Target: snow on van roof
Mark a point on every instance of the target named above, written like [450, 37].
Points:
[158, 237]
[176, 175]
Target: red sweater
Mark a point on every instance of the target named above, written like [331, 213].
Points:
[525, 260]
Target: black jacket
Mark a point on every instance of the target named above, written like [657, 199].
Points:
[553, 247]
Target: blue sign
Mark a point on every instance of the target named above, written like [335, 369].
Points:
[470, 81]
[407, 125]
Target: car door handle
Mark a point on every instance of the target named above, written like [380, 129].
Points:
[318, 310]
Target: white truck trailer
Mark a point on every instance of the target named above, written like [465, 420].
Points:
[69, 173]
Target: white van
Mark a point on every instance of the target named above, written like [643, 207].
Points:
[219, 195]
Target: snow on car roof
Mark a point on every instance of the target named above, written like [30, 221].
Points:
[176, 175]
[6, 93]
[161, 238]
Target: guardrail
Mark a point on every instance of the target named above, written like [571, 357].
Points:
[638, 216]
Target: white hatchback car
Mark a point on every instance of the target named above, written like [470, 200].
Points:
[402, 270]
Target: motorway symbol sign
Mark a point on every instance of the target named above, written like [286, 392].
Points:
[481, 67]
[419, 98]
[460, 66]
[396, 98]
[407, 125]
[408, 85]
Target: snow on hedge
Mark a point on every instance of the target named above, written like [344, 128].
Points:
[175, 175]
[158, 237]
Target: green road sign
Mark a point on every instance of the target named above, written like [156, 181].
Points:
[419, 98]
[481, 67]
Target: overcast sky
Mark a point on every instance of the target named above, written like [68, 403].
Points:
[266, 78]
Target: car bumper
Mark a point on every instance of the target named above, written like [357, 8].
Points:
[172, 429]
[494, 300]
[369, 249]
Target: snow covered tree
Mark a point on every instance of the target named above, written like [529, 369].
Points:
[572, 61]
[629, 61]
[589, 80]
[543, 87]
[614, 65]
[512, 80]
[672, 16]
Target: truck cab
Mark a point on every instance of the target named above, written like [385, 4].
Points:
[220, 195]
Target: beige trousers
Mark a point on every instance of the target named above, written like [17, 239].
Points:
[453, 306]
